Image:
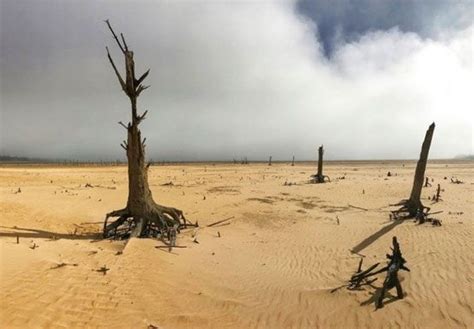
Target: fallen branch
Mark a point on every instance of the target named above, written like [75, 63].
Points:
[220, 221]
[365, 209]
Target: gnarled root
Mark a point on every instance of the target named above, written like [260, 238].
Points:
[411, 209]
[157, 222]
[318, 179]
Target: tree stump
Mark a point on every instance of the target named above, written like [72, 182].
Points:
[319, 177]
[411, 207]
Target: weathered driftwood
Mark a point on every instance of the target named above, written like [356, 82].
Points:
[141, 217]
[359, 278]
[413, 206]
[319, 177]
[364, 277]
[397, 262]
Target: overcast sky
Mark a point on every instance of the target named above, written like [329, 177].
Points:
[252, 78]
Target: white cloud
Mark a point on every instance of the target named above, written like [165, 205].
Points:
[249, 79]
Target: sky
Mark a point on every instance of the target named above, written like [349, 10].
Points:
[239, 79]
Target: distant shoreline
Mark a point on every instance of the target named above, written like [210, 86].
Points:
[36, 163]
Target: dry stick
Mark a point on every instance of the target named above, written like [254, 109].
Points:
[358, 207]
[115, 37]
[158, 247]
[438, 192]
[62, 264]
[220, 225]
[220, 221]
[427, 183]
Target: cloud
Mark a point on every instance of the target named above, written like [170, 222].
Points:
[229, 80]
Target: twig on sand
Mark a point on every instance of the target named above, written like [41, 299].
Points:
[365, 209]
[62, 264]
[220, 221]
[166, 247]
[103, 269]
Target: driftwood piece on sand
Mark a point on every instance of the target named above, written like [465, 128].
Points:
[364, 277]
[397, 262]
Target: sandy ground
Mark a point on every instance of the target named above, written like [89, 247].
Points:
[273, 266]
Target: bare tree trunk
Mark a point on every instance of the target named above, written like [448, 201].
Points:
[413, 205]
[270, 161]
[320, 177]
[320, 161]
[293, 161]
[142, 215]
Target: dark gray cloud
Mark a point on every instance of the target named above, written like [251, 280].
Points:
[348, 20]
[228, 80]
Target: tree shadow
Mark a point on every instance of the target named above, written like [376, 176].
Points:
[374, 237]
[42, 234]
[388, 298]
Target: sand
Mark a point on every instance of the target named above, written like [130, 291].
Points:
[273, 265]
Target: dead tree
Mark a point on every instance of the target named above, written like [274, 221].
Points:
[141, 217]
[413, 205]
[319, 177]
[293, 161]
[270, 160]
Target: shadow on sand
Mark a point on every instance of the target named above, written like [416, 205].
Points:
[374, 237]
[42, 234]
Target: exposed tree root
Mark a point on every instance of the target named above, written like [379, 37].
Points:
[157, 222]
[318, 179]
[415, 210]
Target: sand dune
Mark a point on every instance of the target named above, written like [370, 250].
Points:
[273, 266]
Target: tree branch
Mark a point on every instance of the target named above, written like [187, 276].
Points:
[140, 80]
[141, 117]
[140, 89]
[124, 43]
[115, 36]
[123, 125]
[122, 83]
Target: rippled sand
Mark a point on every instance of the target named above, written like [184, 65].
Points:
[273, 266]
